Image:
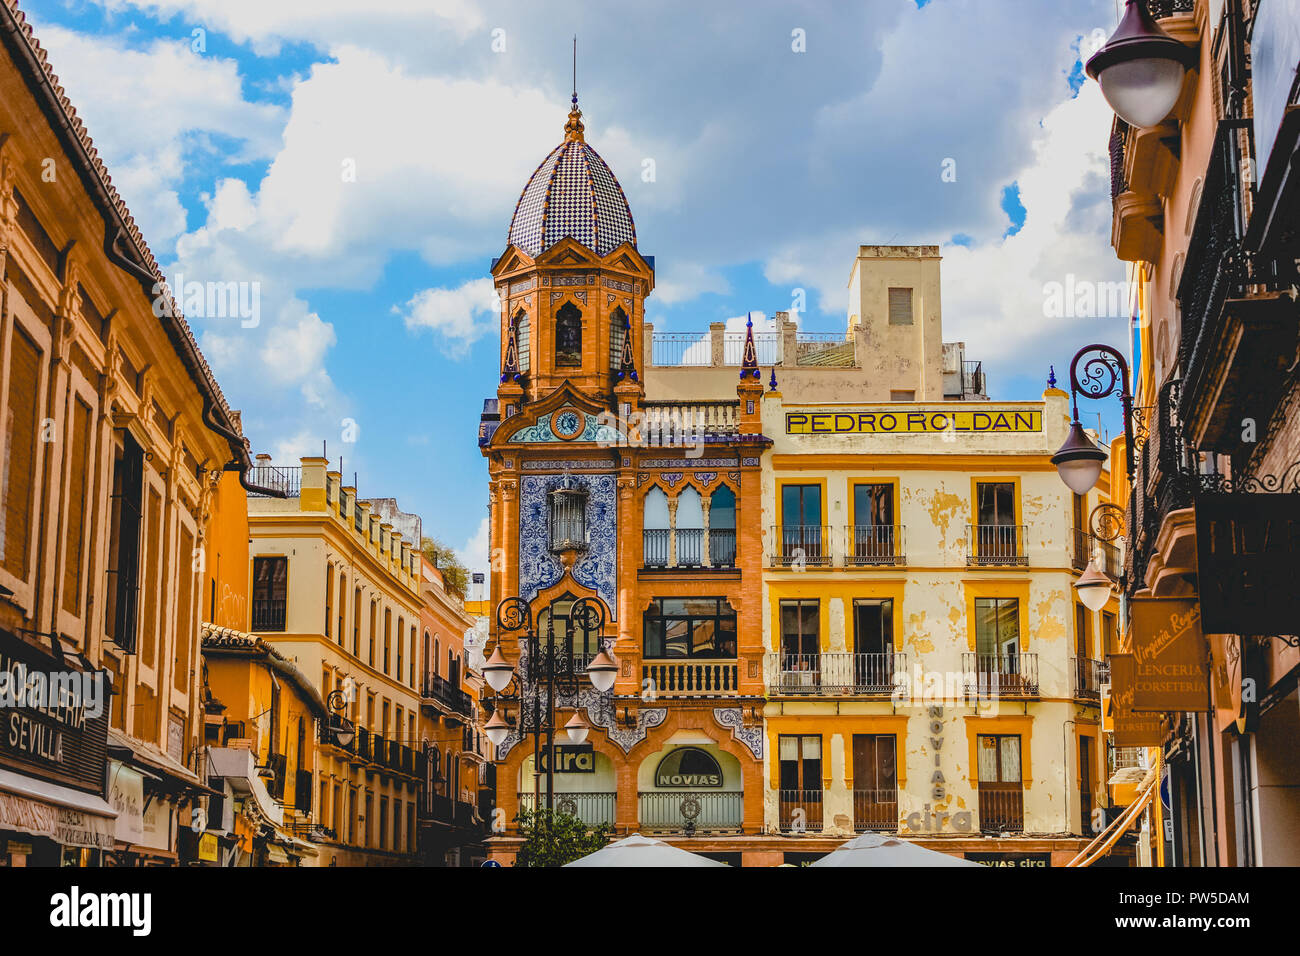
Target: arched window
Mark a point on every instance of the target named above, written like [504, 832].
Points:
[343, 597]
[690, 528]
[568, 337]
[654, 524]
[722, 527]
[617, 336]
[434, 658]
[522, 327]
[428, 649]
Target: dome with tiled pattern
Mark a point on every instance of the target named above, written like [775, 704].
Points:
[572, 193]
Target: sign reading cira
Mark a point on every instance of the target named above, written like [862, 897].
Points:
[688, 768]
[1171, 658]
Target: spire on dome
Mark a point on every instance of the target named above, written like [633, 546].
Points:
[573, 128]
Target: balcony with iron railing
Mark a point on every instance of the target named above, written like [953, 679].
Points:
[880, 545]
[592, 808]
[1127, 758]
[443, 691]
[835, 674]
[800, 811]
[1086, 678]
[1000, 675]
[801, 545]
[665, 548]
[283, 478]
[1165, 480]
[699, 678]
[875, 810]
[1002, 807]
[996, 545]
[268, 614]
[1087, 546]
[691, 811]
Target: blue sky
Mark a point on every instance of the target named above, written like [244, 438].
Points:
[229, 127]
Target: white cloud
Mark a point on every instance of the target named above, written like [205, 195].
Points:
[474, 553]
[295, 346]
[266, 25]
[460, 316]
[145, 107]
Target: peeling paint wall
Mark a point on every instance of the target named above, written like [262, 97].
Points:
[934, 591]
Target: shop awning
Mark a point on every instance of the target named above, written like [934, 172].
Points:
[68, 817]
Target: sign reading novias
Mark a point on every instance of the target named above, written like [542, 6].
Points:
[914, 421]
[688, 768]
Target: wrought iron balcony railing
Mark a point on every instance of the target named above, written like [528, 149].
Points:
[268, 614]
[801, 545]
[691, 811]
[1002, 807]
[874, 545]
[1087, 676]
[448, 694]
[592, 808]
[800, 811]
[836, 673]
[1001, 675]
[996, 545]
[875, 810]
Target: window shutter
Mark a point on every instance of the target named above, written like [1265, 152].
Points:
[900, 306]
[19, 475]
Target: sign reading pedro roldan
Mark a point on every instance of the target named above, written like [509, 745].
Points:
[1248, 563]
[1170, 656]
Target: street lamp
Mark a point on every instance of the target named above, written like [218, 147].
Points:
[1106, 522]
[1141, 68]
[1094, 587]
[339, 728]
[549, 672]
[1097, 371]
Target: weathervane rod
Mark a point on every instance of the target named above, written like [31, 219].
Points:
[575, 68]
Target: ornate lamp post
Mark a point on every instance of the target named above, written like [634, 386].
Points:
[548, 670]
[1106, 522]
[1104, 373]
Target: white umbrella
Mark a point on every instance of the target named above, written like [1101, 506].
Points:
[878, 849]
[638, 850]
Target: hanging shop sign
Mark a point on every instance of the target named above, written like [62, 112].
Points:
[53, 720]
[1130, 729]
[570, 759]
[126, 795]
[1248, 562]
[689, 768]
[913, 421]
[1172, 672]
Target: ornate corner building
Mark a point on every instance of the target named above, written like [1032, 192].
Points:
[577, 454]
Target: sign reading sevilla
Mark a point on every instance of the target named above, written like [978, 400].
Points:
[1171, 657]
[1131, 730]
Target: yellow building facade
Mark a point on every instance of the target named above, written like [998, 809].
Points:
[335, 588]
[930, 671]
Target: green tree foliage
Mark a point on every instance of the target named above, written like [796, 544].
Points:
[552, 838]
[455, 574]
